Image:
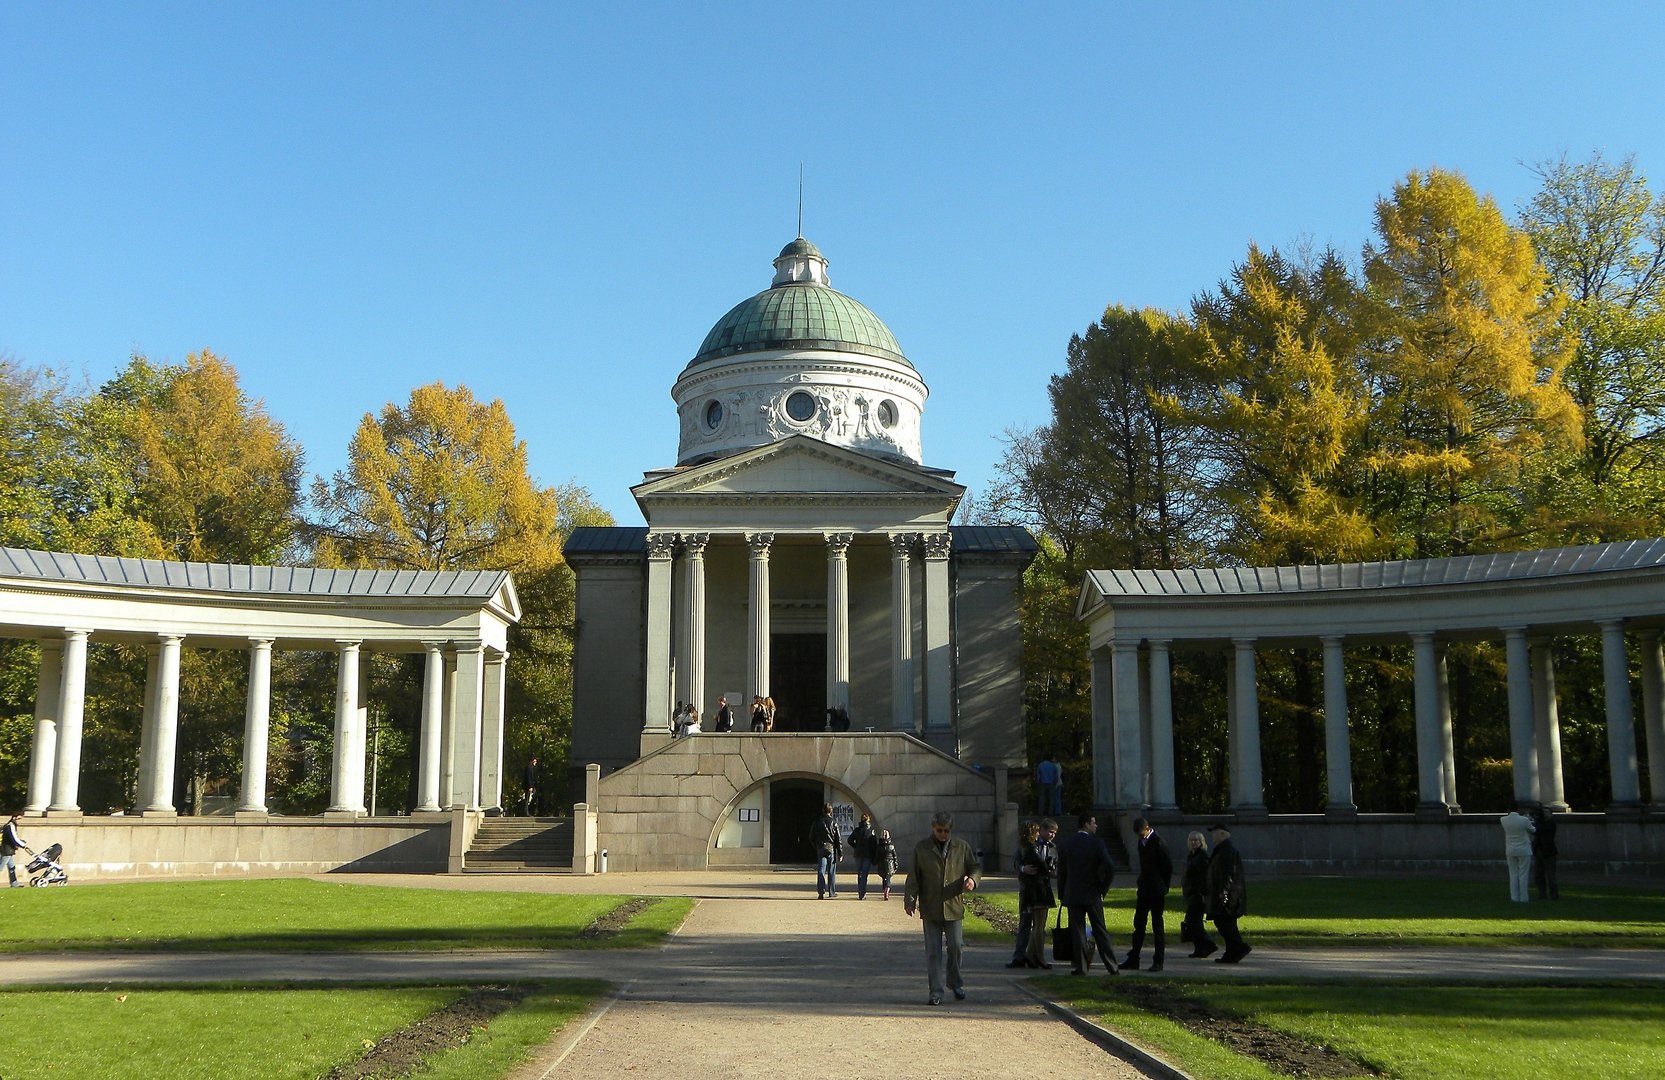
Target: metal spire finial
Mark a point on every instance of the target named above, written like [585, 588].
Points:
[800, 200]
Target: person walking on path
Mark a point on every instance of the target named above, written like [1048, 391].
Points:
[1040, 866]
[1020, 860]
[885, 858]
[529, 787]
[1194, 888]
[1084, 875]
[1544, 853]
[943, 870]
[1227, 894]
[862, 841]
[1156, 877]
[828, 848]
[10, 843]
[1049, 776]
[1517, 849]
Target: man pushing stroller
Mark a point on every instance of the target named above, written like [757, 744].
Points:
[10, 842]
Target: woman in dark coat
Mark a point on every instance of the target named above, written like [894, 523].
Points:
[1194, 888]
[1035, 892]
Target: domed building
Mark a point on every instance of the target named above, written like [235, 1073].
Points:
[800, 550]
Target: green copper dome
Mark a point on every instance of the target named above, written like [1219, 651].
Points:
[799, 315]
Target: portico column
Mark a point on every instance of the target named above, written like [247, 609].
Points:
[1621, 722]
[1547, 719]
[693, 551]
[1248, 794]
[166, 731]
[467, 706]
[1523, 744]
[1161, 728]
[448, 728]
[433, 717]
[1104, 729]
[257, 717]
[757, 627]
[1653, 712]
[1430, 784]
[838, 620]
[491, 729]
[1130, 763]
[347, 768]
[44, 749]
[1338, 751]
[144, 781]
[939, 687]
[661, 547]
[901, 631]
[1447, 744]
[72, 701]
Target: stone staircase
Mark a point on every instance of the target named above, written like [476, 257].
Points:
[516, 845]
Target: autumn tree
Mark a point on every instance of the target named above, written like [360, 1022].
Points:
[1465, 372]
[1600, 233]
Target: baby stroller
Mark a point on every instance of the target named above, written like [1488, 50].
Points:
[44, 868]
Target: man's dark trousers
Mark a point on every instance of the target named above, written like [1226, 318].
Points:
[1094, 913]
[1154, 906]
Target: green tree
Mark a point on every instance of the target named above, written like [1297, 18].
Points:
[1465, 371]
[1600, 233]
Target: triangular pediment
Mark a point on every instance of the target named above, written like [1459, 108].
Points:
[797, 467]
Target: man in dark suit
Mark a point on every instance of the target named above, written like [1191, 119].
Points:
[1228, 898]
[1156, 877]
[1084, 873]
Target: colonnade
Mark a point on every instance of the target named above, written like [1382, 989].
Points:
[460, 756]
[676, 629]
[1133, 738]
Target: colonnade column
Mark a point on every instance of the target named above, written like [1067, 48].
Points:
[901, 631]
[661, 547]
[347, 768]
[757, 627]
[1447, 744]
[257, 719]
[1523, 743]
[491, 729]
[1653, 713]
[1130, 762]
[1104, 729]
[165, 731]
[433, 719]
[1430, 745]
[1247, 791]
[838, 620]
[44, 749]
[467, 706]
[1161, 728]
[72, 703]
[1621, 722]
[1338, 751]
[144, 781]
[690, 668]
[448, 727]
[939, 686]
[1547, 721]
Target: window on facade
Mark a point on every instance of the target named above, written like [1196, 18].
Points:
[800, 405]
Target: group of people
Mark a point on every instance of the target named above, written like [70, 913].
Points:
[944, 869]
[685, 718]
[1529, 849]
[872, 847]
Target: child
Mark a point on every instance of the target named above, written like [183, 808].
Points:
[885, 859]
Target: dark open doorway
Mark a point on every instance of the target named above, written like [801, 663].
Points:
[794, 805]
[798, 681]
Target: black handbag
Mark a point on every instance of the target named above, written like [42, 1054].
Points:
[1063, 946]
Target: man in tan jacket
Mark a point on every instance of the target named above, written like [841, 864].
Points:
[943, 870]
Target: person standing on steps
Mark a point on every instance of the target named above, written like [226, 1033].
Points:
[943, 870]
[1227, 893]
[1194, 888]
[1156, 877]
[529, 787]
[1049, 779]
[828, 848]
[1084, 875]
[724, 720]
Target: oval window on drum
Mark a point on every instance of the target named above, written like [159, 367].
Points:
[714, 415]
[887, 413]
[800, 405]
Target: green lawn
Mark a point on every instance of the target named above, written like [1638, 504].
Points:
[303, 914]
[1401, 911]
[222, 1033]
[1422, 1031]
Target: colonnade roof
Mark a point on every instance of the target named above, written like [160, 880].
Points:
[590, 540]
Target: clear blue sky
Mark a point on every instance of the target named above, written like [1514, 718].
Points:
[552, 204]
